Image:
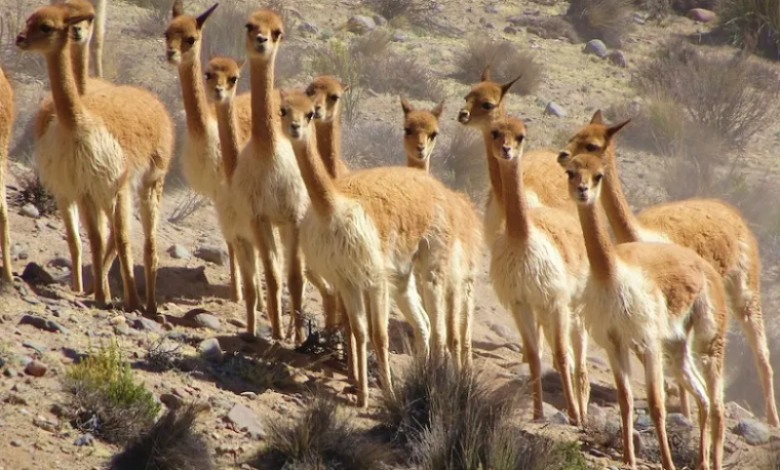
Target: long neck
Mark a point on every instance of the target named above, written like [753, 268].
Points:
[494, 172]
[264, 117]
[79, 56]
[621, 218]
[63, 87]
[319, 184]
[228, 137]
[329, 145]
[518, 224]
[601, 252]
[194, 95]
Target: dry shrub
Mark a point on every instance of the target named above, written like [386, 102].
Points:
[549, 27]
[464, 152]
[442, 418]
[684, 6]
[413, 10]
[337, 59]
[608, 20]
[188, 204]
[105, 400]
[171, 444]
[223, 32]
[154, 21]
[370, 144]
[752, 24]
[507, 62]
[322, 437]
[401, 74]
[31, 191]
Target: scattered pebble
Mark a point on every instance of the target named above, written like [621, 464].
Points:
[210, 349]
[84, 440]
[555, 109]
[146, 324]
[596, 47]
[702, 15]
[244, 419]
[618, 58]
[212, 254]
[30, 210]
[34, 274]
[43, 324]
[36, 369]
[360, 24]
[753, 431]
[179, 252]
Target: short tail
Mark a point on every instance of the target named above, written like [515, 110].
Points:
[171, 444]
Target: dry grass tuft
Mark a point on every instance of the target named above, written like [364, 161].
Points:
[465, 159]
[751, 24]
[507, 61]
[369, 144]
[322, 437]
[31, 191]
[189, 203]
[105, 400]
[608, 20]
[171, 444]
[550, 27]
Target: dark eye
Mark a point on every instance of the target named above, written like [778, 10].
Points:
[494, 134]
[209, 75]
[520, 137]
[46, 28]
[283, 112]
[333, 98]
[190, 40]
[407, 131]
[249, 26]
[598, 178]
[570, 174]
[591, 147]
[166, 36]
[434, 134]
[488, 106]
[310, 93]
[276, 34]
[309, 116]
[233, 80]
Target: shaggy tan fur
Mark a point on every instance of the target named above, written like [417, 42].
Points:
[6, 128]
[650, 298]
[327, 92]
[97, 149]
[711, 227]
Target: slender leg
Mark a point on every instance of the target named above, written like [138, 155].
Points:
[235, 275]
[355, 306]
[685, 405]
[559, 334]
[70, 219]
[467, 320]
[247, 263]
[296, 282]
[433, 297]
[380, 316]
[713, 374]
[269, 254]
[95, 227]
[5, 232]
[526, 324]
[621, 370]
[579, 339]
[122, 235]
[454, 311]
[150, 197]
[408, 301]
[654, 378]
[686, 374]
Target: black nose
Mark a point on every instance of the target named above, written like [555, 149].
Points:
[20, 38]
[261, 39]
[582, 189]
[171, 53]
[421, 147]
[563, 155]
[506, 149]
[463, 114]
[295, 126]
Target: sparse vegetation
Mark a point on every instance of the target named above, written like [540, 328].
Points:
[189, 203]
[369, 144]
[258, 373]
[752, 24]
[465, 153]
[321, 437]
[550, 27]
[507, 62]
[171, 444]
[391, 9]
[608, 20]
[163, 355]
[105, 399]
[31, 191]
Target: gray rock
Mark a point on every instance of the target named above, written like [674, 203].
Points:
[559, 418]
[35, 347]
[504, 331]
[596, 47]
[60, 262]
[207, 320]
[492, 9]
[555, 109]
[643, 422]
[30, 210]
[84, 440]
[18, 252]
[34, 274]
[36, 369]
[379, 20]
[210, 349]
[123, 329]
[753, 431]
[212, 254]
[618, 58]
[516, 20]
[399, 36]
[171, 401]
[360, 24]
[308, 28]
[244, 419]
[43, 324]
[179, 252]
[702, 15]
[679, 420]
[733, 410]
[31, 300]
[511, 30]
[146, 324]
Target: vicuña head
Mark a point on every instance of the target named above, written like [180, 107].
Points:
[81, 32]
[264, 32]
[183, 36]
[326, 92]
[222, 75]
[421, 128]
[484, 102]
[297, 112]
[508, 140]
[592, 139]
[47, 30]
[585, 173]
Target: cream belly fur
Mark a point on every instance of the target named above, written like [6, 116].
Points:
[89, 165]
[201, 160]
[270, 188]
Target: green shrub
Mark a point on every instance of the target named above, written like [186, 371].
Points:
[105, 400]
[753, 24]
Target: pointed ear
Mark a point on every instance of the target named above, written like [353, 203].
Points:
[406, 106]
[614, 129]
[506, 86]
[486, 74]
[177, 9]
[282, 94]
[438, 109]
[344, 87]
[241, 63]
[597, 118]
[205, 15]
[71, 20]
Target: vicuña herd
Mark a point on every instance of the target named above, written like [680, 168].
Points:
[270, 160]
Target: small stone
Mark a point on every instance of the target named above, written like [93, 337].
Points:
[555, 109]
[30, 210]
[360, 24]
[31, 300]
[171, 401]
[43, 423]
[504, 331]
[399, 36]
[34, 274]
[702, 15]
[618, 58]
[179, 252]
[249, 395]
[84, 440]
[36, 369]
[35, 347]
[596, 47]
[43, 324]
[643, 422]
[212, 254]
[510, 30]
[308, 28]
[124, 330]
[733, 410]
[16, 443]
[244, 419]
[60, 262]
[753, 431]
[641, 405]
[492, 9]
[379, 20]
[146, 324]
[679, 420]
[118, 320]
[210, 349]
[18, 252]
[206, 320]
[559, 418]
[237, 323]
